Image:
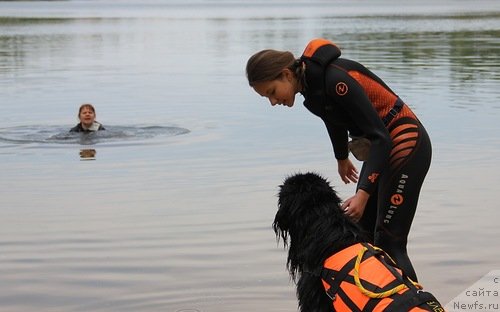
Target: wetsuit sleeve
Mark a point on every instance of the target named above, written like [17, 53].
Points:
[346, 92]
[339, 137]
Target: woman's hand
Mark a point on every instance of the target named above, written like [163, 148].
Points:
[347, 171]
[354, 207]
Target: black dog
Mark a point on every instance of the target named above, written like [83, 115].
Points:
[333, 267]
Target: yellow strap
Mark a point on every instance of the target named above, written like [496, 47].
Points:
[371, 294]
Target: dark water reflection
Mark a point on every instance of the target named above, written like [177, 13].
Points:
[456, 51]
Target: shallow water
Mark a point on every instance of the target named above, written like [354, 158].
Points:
[174, 211]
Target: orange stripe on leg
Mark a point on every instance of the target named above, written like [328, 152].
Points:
[395, 132]
[402, 137]
[406, 145]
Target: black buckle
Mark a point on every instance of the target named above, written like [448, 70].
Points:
[333, 297]
[393, 112]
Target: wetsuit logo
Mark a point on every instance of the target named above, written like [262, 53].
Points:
[373, 177]
[397, 199]
[341, 88]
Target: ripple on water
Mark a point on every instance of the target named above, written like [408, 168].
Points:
[61, 135]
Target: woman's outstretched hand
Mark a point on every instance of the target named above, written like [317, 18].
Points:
[354, 207]
[347, 171]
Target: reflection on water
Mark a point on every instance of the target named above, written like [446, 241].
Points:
[459, 51]
[87, 154]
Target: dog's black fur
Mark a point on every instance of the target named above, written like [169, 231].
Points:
[313, 226]
[311, 223]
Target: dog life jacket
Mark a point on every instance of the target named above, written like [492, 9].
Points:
[363, 278]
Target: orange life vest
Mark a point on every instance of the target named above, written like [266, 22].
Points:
[363, 278]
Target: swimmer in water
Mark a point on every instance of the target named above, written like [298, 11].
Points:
[86, 115]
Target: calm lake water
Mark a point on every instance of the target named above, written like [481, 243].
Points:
[174, 212]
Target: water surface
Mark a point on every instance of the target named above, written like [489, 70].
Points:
[174, 211]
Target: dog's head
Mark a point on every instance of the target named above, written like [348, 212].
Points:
[303, 199]
[309, 220]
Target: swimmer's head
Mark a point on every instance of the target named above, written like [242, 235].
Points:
[86, 115]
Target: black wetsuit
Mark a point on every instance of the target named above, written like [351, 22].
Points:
[79, 128]
[351, 100]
